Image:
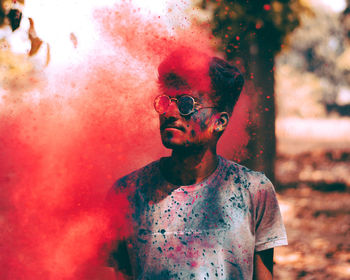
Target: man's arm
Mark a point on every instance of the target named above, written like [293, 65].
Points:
[263, 265]
[120, 261]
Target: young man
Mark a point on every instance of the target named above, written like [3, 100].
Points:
[196, 215]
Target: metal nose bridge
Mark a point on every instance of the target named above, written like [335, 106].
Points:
[175, 101]
[173, 98]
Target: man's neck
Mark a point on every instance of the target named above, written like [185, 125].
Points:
[189, 166]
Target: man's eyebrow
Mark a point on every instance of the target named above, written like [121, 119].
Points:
[186, 93]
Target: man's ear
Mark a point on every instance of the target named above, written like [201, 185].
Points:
[221, 122]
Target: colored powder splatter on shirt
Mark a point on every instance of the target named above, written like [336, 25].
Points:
[208, 230]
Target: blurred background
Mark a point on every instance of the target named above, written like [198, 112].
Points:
[295, 56]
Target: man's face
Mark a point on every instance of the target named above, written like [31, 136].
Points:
[193, 130]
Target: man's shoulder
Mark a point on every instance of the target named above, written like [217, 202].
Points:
[241, 170]
[137, 177]
[244, 175]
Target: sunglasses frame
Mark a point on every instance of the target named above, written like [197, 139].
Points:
[196, 105]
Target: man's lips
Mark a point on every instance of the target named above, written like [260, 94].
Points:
[178, 127]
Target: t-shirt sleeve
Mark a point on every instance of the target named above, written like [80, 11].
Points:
[119, 208]
[269, 228]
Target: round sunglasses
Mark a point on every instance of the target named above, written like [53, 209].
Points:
[185, 103]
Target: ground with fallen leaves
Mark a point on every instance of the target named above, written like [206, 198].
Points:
[318, 228]
[313, 186]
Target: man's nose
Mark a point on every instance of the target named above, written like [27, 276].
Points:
[173, 110]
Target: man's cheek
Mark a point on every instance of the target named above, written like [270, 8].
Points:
[201, 120]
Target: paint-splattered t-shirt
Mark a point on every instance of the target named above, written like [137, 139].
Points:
[208, 230]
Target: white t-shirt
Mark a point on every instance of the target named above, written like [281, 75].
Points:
[208, 230]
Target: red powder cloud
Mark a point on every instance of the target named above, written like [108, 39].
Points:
[60, 154]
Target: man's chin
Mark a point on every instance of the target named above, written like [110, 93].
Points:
[171, 144]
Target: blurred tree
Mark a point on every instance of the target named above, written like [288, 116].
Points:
[346, 20]
[318, 60]
[251, 33]
[318, 47]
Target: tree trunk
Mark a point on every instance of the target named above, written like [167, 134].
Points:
[262, 144]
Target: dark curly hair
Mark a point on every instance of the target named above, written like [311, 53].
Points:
[226, 83]
[190, 69]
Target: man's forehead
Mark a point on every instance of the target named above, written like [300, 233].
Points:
[186, 66]
[174, 92]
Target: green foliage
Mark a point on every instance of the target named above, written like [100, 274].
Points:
[241, 23]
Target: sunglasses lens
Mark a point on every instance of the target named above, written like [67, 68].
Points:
[161, 103]
[185, 105]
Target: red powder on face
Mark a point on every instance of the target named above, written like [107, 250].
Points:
[60, 155]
